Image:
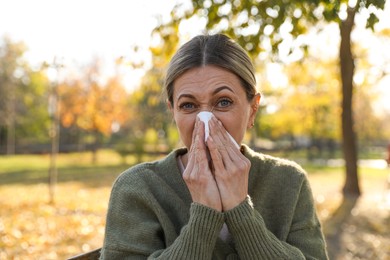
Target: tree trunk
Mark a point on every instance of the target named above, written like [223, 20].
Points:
[55, 144]
[347, 67]
[11, 120]
[95, 146]
[11, 135]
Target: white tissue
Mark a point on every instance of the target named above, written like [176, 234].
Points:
[205, 117]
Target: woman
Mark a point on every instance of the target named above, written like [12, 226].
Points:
[210, 200]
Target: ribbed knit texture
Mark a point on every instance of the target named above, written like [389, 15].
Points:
[151, 216]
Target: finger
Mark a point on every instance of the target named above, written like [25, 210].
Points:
[199, 147]
[194, 133]
[227, 137]
[191, 153]
[201, 133]
[222, 143]
[228, 141]
[216, 156]
[218, 129]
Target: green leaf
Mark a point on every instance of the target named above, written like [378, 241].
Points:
[371, 21]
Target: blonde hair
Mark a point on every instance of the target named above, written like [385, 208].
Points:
[218, 50]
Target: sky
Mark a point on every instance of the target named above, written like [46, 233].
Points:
[76, 31]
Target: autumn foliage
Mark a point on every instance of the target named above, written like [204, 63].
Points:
[93, 107]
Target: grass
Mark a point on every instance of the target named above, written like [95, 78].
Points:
[34, 169]
[31, 228]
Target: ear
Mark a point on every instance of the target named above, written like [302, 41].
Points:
[171, 109]
[254, 107]
[170, 106]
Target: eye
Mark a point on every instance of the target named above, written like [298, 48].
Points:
[187, 106]
[224, 103]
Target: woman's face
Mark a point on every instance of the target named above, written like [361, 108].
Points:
[214, 89]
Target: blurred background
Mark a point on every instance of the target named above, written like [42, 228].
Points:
[81, 100]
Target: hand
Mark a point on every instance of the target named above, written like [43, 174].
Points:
[231, 168]
[197, 175]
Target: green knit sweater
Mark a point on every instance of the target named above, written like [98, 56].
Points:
[151, 216]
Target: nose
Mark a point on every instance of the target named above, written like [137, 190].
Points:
[206, 108]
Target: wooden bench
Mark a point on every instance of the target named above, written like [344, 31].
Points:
[91, 255]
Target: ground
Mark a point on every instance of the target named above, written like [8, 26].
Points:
[355, 229]
[31, 228]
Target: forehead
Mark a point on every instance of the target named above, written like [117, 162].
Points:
[206, 79]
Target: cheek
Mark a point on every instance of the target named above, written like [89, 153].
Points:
[236, 125]
[230, 123]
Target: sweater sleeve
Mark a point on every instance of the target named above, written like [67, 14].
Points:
[305, 232]
[134, 231]
[197, 239]
[254, 241]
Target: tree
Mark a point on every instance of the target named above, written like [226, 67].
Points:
[311, 88]
[33, 118]
[10, 63]
[148, 102]
[96, 107]
[273, 25]
[311, 91]
[23, 100]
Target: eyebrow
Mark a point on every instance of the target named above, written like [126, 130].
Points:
[219, 89]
